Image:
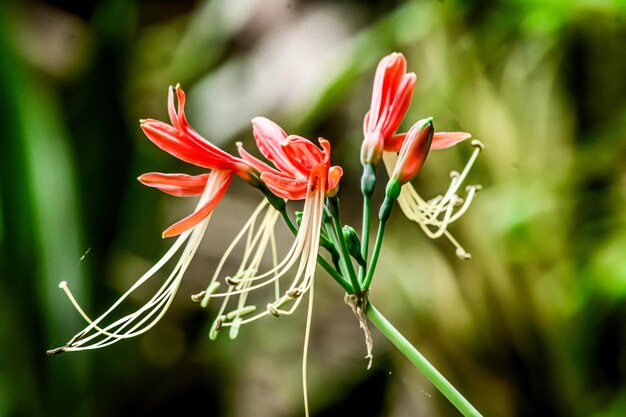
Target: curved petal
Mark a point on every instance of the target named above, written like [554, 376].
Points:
[389, 72]
[443, 140]
[285, 187]
[200, 214]
[394, 143]
[179, 185]
[398, 108]
[254, 161]
[334, 176]
[302, 154]
[178, 144]
[269, 137]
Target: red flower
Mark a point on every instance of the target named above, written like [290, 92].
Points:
[391, 97]
[182, 141]
[302, 167]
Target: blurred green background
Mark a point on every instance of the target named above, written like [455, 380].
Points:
[533, 325]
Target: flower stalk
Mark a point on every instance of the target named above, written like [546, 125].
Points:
[421, 363]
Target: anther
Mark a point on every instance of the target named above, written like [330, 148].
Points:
[294, 293]
[272, 309]
[198, 297]
[233, 282]
[57, 351]
[454, 174]
[477, 144]
[476, 188]
[75, 338]
[218, 323]
[215, 328]
[462, 254]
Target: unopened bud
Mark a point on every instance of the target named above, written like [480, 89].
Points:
[353, 243]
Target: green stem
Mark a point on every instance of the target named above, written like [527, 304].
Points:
[429, 371]
[327, 267]
[375, 254]
[343, 248]
[365, 236]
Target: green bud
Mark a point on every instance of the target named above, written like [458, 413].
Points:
[368, 180]
[353, 243]
[299, 218]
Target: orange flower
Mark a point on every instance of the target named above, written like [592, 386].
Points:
[391, 96]
[182, 141]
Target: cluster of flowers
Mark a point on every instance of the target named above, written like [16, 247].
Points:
[301, 171]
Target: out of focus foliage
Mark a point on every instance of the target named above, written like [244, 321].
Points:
[534, 324]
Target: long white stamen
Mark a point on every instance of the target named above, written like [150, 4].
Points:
[303, 251]
[435, 215]
[95, 336]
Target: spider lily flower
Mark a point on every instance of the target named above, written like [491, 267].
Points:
[391, 96]
[436, 214]
[180, 140]
[302, 172]
[96, 334]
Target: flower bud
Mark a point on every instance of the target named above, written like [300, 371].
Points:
[412, 155]
[353, 243]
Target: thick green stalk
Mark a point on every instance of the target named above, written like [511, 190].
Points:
[429, 371]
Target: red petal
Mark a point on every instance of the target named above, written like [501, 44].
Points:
[179, 185]
[443, 140]
[269, 137]
[302, 154]
[200, 214]
[414, 151]
[334, 175]
[181, 146]
[254, 161]
[285, 187]
[394, 143]
[400, 105]
[388, 75]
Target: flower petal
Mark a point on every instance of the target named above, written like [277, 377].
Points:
[254, 161]
[200, 214]
[302, 154]
[269, 137]
[180, 185]
[397, 109]
[334, 175]
[286, 187]
[443, 140]
[178, 144]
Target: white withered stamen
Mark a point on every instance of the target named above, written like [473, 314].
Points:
[435, 215]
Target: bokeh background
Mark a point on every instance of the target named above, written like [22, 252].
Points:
[533, 325]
